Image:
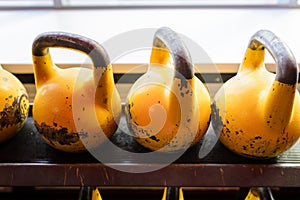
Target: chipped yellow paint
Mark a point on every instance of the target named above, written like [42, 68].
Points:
[14, 105]
[75, 108]
[168, 108]
[257, 115]
[166, 113]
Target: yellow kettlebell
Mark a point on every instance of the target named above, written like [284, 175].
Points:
[74, 106]
[168, 108]
[171, 193]
[257, 113]
[14, 105]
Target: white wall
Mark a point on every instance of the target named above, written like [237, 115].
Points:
[222, 33]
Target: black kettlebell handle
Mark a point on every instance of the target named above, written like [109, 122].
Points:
[168, 39]
[95, 51]
[286, 65]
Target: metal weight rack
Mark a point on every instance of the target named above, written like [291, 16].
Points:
[26, 160]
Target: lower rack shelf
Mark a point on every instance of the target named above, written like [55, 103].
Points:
[26, 160]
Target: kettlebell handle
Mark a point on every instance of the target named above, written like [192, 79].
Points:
[95, 51]
[166, 38]
[286, 65]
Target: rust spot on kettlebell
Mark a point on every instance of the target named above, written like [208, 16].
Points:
[154, 138]
[60, 135]
[15, 113]
[216, 118]
[105, 100]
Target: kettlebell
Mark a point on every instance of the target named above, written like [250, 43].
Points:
[14, 105]
[77, 108]
[256, 112]
[168, 108]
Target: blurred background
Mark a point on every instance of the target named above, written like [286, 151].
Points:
[221, 27]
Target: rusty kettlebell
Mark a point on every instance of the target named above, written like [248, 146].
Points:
[72, 105]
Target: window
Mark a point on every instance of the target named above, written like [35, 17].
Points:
[67, 4]
[218, 3]
[26, 3]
